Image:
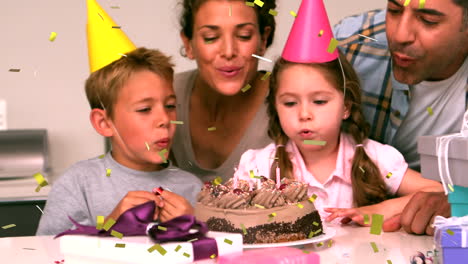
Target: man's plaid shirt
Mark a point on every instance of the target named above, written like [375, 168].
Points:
[385, 101]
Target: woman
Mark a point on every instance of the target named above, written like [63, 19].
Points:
[222, 118]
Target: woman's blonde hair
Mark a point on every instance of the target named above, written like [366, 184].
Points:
[102, 86]
[368, 186]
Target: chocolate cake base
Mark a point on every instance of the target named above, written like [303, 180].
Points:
[290, 223]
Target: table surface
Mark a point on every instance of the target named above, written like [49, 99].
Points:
[351, 244]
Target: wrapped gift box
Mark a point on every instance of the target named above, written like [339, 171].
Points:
[458, 167]
[93, 249]
[451, 244]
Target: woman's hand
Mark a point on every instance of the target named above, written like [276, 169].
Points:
[173, 205]
[351, 214]
[134, 198]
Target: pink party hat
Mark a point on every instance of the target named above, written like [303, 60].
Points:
[311, 38]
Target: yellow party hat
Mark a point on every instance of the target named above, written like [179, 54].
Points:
[106, 41]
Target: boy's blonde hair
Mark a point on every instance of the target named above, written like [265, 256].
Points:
[103, 86]
[367, 183]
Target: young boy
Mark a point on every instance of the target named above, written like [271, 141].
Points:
[132, 103]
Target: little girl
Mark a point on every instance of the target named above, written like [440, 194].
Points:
[320, 138]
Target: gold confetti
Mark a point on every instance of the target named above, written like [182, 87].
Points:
[147, 146]
[259, 3]
[330, 242]
[363, 171]
[8, 226]
[257, 177]
[332, 46]
[293, 13]
[163, 157]
[273, 12]
[118, 27]
[178, 248]
[407, 2]
[102, 156]
[389, 175]
[52, 36]
[260, 206]
[450, 232]
[318, 231]
[115, 7]
[40, 180]
[311, 234]
[119, 245]
[14, 70]
[116, 234]
[212, 129]
[99, 222]
[217, 181]
[374, 247]
[251, 4]
[267, 74]
[320, 33]
[244, 230]
[159, 248]
[251, 174]
[315, 223]
[389, 261]
[315, 142]
[429, 110]
[272, 215]
[300, 205]
[312, 198]
[108, 172]
[377, 222]
[227, 241]
[109, 223]
[366, 219]
[192, 240]
[177, 122]
[213, 256]
[186, 254]
[422, 3]
[450, 187]
[162, 228]
[246, 88]
[320, 244]
[305, 251]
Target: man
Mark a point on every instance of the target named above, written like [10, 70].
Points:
[413, 64]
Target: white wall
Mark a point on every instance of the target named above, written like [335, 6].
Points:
[48, 92]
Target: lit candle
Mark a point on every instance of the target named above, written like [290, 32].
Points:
[278, 177]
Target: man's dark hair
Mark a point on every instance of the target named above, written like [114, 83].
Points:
[463, 4]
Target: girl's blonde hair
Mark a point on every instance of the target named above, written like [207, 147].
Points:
[368, 186]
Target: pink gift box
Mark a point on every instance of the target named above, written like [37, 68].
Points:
[281, 255]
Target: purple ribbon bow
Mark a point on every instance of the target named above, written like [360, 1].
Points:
[135, 221]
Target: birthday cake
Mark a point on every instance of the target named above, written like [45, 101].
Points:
[266, 213]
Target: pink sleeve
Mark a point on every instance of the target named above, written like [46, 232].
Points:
[390, 162]
[258, 160]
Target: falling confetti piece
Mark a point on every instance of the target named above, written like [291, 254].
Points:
[52, 36]
[99, 222]
[293, 13]
[227, 241]
[246, 88]
[272, 215]
[389, 261]
[320, 33]
[212, 129]
[451, 187]
[305, 251]
[116, 234]
[192, 240]
[177, 122]
[313, 198]
[250, 4]
[259, 3]
[311, 234]
[267, 74]
[315, 223]
[109, 223]
[40, 180]
[374, 247]
[320, 244]
[273, 12]
[300, 205]
[8, 226]
[217, 181]
[119, 245]
[422, 3]
[14, 70]
[389, 175]
[332, 46]
[178, 248]
[450, 232]
[118, 27]
[186, 254]
[315, 142]
[251, 172]
[377, 221]
[162, 228]
[366, 219]
[429, 110]
[39, 209]
[147, 146]
[407, 2]
[108, 172]
[363, 171]
[102, 156]
[367, 37]
[115, 7]
[257, 177]
[29, 248]
[159, 248]
[317, 231]
[261, 58]
[163, 157]
[213, 256]
[244, 230]
[260, 206]
[330, 243]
